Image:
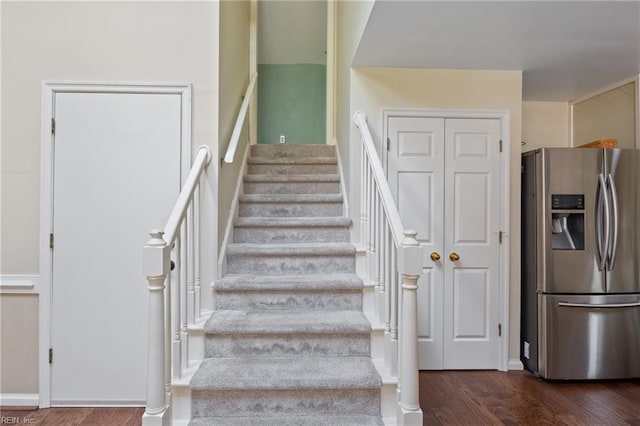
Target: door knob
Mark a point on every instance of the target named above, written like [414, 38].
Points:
[435, 256]
[454, 256]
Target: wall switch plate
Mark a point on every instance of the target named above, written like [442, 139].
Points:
[283, 139]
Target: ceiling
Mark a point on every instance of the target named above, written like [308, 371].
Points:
[566, 49]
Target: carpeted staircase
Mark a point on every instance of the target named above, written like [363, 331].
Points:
[288, 343]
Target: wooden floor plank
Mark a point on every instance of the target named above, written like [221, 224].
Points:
[449, 398]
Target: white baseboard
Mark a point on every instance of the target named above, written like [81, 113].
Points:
[21, 400]
[19, 284]
[515, 364]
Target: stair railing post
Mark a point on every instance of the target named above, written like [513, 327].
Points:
[156, 267]
[410, 268]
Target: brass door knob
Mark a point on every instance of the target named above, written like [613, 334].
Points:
[435, 256]
[454, 257]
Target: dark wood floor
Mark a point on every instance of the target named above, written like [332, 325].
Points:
[447, 398]
[516, 398]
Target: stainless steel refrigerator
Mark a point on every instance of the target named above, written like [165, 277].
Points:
[581, 263]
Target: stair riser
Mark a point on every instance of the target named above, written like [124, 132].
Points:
[249, 346]
[290, 265]
[258, 300]
[325, 420]
[285, 402]
[290, 209]
[290, 169]
[274, 235]
[291, 188]
[288, 151]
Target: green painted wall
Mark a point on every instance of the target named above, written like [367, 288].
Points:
[292, 102]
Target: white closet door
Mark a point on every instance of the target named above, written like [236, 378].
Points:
[416, 177]
[472, 187]
[116, 176]
[444, 175]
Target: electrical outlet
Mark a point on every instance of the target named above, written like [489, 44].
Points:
[526, 350]
[283, 138]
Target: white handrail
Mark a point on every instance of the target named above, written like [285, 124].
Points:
[171, 311]
[390, 208]
[242, 116]
[203, 158]
[394, 265]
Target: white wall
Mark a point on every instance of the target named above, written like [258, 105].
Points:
[234, 78]
[545, 124]
[373, 89]
[90, 41]
[351, 19]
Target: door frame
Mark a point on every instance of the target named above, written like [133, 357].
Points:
[49, 90]
[505, 187]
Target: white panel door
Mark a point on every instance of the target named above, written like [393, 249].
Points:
[415, 164]
[444, 174]
[116, 176]
[472, 212]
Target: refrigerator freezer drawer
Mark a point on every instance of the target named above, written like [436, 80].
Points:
[589, 337]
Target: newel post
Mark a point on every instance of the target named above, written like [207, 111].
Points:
[156, 263]
[410, 268]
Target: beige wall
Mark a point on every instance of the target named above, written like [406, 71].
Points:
[611, 114]
[19, 343]
[234, 78]
[373, 89]
[545, 124]
[351, 19]
[292, 32]
[88, 41]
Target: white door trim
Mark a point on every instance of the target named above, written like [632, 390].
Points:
[49, 90]
[330, 133]
[505, 187]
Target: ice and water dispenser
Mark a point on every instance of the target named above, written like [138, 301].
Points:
[567, 221]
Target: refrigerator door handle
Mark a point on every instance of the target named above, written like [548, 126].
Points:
[602, 241]
[604, 305]
[614, 238]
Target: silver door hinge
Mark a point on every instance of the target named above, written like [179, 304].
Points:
[499, 330]
[388, 144]
[500, 237]
[500, 145]
[53, 126]
[50, 240]
[50, 355]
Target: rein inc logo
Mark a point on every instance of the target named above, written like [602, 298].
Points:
[7, 420]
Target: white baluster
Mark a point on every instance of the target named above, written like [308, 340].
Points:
[168, 309]
[156, 268]
[371, 231]
[184, 298]
[379, 245]
[386, 259]
[393, 316]
[191, 309]
[174, 287]
[410, 266]
[196, 253]
[363, 212]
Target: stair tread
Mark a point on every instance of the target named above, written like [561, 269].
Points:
[286, 373]
[298, 282]
[313, 420]
[286, 321]
[291, 198]
[306, 221]
[325, 177]
[291, 249]
[292, 160]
